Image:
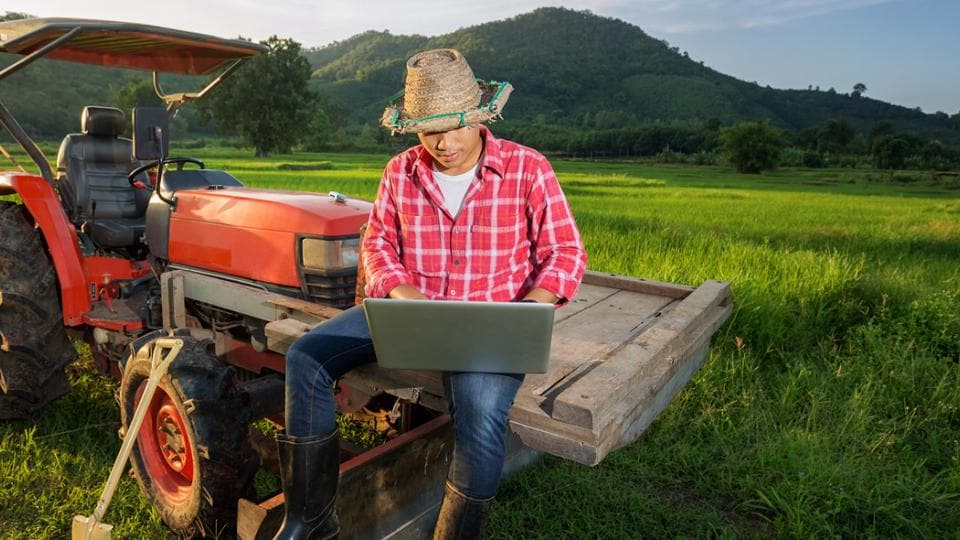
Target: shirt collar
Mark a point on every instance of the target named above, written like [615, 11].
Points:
[491, 158]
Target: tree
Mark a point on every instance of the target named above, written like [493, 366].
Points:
[752, 146]
[858, 89]
[14, 15]
[834, 136]
[879, 129]
[135, 93]
[267, 101]
[890, 152]
[934, 155]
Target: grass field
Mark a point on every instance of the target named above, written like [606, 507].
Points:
[828, 406]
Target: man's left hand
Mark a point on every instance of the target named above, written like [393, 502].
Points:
[542, 295]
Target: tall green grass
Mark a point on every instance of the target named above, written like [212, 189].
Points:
[828, 406]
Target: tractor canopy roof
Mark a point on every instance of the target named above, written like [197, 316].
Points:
[124, 45]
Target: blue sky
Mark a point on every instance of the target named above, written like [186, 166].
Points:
[905, 51]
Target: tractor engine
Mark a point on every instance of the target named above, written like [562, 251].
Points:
[293, 243]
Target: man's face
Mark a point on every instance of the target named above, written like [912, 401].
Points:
[454, 151]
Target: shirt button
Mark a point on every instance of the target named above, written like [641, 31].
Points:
[456, 261]
[456, 229]
[453, 292]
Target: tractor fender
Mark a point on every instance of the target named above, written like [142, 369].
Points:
[61, 238]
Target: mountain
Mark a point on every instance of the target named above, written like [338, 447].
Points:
[571, 70]
[576, 69]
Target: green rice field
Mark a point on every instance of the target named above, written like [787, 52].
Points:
[828, 406]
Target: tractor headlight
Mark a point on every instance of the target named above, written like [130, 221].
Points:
[320, 254]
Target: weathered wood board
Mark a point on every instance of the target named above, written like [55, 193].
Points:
[621, 351]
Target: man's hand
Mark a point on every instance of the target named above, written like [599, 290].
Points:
[540, 295]
[406, 292]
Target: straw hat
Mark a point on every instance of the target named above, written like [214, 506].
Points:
[441, 94]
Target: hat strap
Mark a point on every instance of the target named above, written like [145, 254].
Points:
[394, 124]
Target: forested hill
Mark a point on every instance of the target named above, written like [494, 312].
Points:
[571, 70]
[576, 69]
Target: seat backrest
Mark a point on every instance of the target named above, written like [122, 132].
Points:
[92, 167]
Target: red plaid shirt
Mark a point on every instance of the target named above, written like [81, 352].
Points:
[514, 232]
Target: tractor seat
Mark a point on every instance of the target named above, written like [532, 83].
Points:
[92, 172]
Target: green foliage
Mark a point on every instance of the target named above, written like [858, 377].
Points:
[14, 15]
[752, 147]
[879, 129]
[318, 132]
[834, 136]
[937, 156]
[268, 101]
[136, 93]
[890, 152]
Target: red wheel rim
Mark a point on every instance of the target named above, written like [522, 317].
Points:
[165, 448]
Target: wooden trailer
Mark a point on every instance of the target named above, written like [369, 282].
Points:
[621, 351]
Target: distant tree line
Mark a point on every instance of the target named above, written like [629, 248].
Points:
[834, 143]
[280, 102]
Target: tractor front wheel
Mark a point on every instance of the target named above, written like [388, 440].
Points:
[193, 458]
[33, 343]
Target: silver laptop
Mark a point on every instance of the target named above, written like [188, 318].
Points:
[448, 335]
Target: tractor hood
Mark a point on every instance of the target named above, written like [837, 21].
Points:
[307, 213]
[255, 233]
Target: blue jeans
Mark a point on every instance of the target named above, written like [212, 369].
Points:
[478, 402]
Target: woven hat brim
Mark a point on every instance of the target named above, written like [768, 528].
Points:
[495, 96]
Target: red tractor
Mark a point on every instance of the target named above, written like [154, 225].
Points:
[122, 245]
[82, 253]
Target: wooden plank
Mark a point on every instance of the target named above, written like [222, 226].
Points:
[593, 333]
[552, 442]
[639, 285]
[538, 430]
[587, 446]
[590, 400]
[171, 290]
[663, 397]
[627, 424]
[283, 333]
[318, 310]
[424, 387]
[587, 296]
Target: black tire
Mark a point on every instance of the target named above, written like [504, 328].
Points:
[201, 461]
[34, 347]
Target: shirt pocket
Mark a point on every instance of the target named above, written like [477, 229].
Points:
[503, 220]
[421, 241]
[499, 232]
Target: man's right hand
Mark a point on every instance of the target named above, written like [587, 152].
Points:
[406, 292]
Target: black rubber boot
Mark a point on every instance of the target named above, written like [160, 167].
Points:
[309, 471]
[461, 517]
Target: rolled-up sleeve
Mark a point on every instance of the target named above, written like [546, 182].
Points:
[558, 247]
[381, 243]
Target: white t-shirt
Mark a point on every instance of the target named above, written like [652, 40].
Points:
[454, 188]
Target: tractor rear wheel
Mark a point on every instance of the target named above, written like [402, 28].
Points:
[33, 342]
[193, 458]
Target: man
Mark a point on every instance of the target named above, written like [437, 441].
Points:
[462, 216]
